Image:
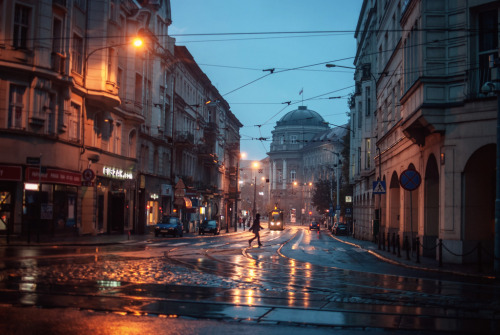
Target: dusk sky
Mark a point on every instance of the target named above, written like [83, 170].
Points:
[234, 41]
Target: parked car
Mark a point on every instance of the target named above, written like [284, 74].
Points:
[209, 226]
[314, 225]
[169, 225]
[340, 229]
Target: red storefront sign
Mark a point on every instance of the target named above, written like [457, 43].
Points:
[53, 176]
[10, 172]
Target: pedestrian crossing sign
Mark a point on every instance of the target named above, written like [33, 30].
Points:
[379, 187]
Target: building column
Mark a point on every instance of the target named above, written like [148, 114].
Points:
[284, 175]
[273, 175]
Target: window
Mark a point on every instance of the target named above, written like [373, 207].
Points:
[76, 54]
[21, 26]
[57, 35]
[488, 42]
[80, 3]
[16, 106]
[360, 114]
[293, 139]
[74, 122]
[293, 176]
[358, 167]
[367, 101]
[117, 138]
[282, 139]
[111, 75]
[368, 155]
[138, 89]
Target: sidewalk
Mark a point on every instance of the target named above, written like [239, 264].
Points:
[425, 263]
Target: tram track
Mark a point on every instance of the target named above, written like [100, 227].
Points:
[339, 290]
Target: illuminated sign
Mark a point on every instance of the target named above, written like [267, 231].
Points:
[116, 173]
[154, 196]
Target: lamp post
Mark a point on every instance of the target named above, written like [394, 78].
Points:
[336, 166]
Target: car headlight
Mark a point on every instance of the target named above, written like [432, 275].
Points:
[278, 223]
[272, 223]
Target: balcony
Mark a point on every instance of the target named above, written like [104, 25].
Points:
[184, 138]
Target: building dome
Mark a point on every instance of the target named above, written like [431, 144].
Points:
[302, 116]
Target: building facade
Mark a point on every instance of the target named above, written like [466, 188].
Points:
[433, 119]
[102, 133]
[301, 153]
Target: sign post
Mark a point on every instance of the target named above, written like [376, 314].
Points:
[410, 180]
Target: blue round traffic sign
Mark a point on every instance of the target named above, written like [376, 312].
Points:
[410, 179]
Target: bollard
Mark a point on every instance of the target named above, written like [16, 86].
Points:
[479, 261]
[394, 243]
[388, 242]
[440, 249]
[417, 248]
[407, 247]
[399, 246]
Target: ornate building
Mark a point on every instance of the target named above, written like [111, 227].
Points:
[301, 153]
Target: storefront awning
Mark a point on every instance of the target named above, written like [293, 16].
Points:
[184, 201]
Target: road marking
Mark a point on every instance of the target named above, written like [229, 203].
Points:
[295, 246]
[178, 244]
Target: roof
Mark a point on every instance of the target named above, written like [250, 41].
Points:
[302, 116]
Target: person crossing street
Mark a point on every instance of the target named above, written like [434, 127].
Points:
[255, 228]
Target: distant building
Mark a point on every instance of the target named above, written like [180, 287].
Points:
[301, 154]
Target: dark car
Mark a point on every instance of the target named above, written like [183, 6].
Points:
[340, 229]
[209, 226]
[169, 225]
[314, 225]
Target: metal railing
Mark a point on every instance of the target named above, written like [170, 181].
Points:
[392, 243]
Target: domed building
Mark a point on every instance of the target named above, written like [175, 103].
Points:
[297, 158]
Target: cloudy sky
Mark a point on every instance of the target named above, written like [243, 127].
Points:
[233, 41]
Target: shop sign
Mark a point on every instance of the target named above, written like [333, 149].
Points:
[13, 173]
[116, 173]
[53, 176]
[154, 196]
[166, 190]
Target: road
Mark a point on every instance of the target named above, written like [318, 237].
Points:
[298, 278]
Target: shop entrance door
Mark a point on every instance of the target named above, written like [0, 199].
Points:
[116, 212]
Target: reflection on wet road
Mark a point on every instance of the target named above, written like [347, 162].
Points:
[332, 283]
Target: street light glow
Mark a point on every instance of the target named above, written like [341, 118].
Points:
[137, 42]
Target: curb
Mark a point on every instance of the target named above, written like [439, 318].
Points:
[395, 262]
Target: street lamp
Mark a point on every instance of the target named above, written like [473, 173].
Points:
[336, 166]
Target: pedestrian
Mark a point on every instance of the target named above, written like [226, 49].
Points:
[255, 229]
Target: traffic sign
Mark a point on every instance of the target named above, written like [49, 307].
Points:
[410, 180]
[88, 175]
[379, 187]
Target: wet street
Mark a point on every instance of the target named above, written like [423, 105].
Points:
[299, 279]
